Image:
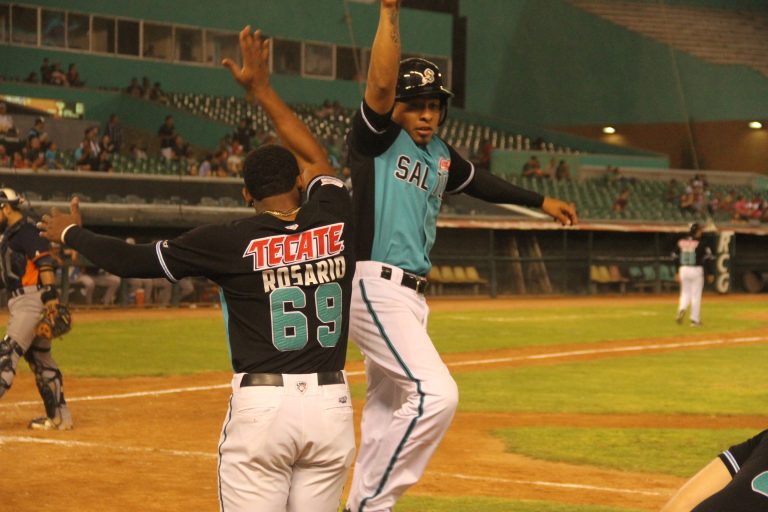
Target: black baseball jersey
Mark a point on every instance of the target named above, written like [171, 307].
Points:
[692, 252]
[285, 285]
[22, 253]
[748, 491]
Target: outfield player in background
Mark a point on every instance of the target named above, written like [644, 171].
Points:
[27, 271]
[400, 170]
[736, 481]
[693, 259]
[285, 275]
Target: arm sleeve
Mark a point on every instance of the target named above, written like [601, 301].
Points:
[493, 189]
[372, 133]
[461, 173]
[735, 456]
[114, 255]
[332, 195]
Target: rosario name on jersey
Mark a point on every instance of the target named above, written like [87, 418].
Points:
[285, 285]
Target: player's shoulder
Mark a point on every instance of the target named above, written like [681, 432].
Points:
[325, 180]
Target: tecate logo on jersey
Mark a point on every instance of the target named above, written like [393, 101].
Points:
[279, 250]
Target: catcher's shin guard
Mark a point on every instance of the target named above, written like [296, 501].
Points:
[10, 352]
[49, 383]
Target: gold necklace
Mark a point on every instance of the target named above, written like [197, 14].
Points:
[280, 213]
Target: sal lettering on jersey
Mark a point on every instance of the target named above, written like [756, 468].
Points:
[416, 172]
[300, 259]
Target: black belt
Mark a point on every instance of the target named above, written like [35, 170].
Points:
[20, 291]
[412, 281]
[276, 379]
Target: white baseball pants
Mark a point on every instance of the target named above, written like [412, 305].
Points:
[691, 288]
[411, 396]
[286, 448]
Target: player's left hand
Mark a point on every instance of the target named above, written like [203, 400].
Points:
[564, 213]
[53, 224]
[254, 51]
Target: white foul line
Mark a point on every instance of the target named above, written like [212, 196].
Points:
[212, 456]
[530, 357]
[542, 483]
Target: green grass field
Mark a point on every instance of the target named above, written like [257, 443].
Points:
[716, 380]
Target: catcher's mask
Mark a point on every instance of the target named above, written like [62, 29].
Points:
[418, 78]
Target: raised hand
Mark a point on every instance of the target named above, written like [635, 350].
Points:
[564, 213]
[254, 52]
[53, 224]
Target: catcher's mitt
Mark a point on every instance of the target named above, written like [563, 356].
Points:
[56, 321]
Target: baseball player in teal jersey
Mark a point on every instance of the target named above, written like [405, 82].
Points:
[400, 171]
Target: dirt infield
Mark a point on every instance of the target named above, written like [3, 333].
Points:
[157, 451]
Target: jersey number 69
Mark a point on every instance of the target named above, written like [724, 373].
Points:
[290, 329]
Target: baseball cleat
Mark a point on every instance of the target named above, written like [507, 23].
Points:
[680, 315]
[46, 423]
[695, 324]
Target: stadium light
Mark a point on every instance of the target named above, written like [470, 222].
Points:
[609, 130]
[755, 125]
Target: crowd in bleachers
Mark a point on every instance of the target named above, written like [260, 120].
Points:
[35, 151]
[698, 198]
[52, 74]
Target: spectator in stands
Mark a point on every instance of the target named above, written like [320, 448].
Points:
[6, 120]
[57, 75]
[621, 202]
[167, 132]
[87, 155]
[235, 160]
[105, 144]
[32, 78]
[563, 171]
[45, 71]
[244, 133]
[157, 94]
[73, 76]
[204, 169]
[137, 153]
[51, 157]
[532, 168]
[754, 206]
[716, 203]
[687, 201]
[740, 209]
[146, 88]
[5, 160]
[179, 148]
[134, 89]
[325, 110]
[38, 131]
[219, 164]
[726, 204]
[35, 154]
[19, 160]
[115, 131]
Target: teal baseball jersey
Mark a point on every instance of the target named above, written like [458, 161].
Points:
[397, 191]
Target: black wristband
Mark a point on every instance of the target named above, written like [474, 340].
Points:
[49, 293]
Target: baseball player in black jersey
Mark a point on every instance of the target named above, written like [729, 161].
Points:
[736, 481]
[285, 276]
[693, 259]
[27, 272]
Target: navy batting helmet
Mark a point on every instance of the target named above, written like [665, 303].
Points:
[9, 196]
[418, 78]
[694, 228]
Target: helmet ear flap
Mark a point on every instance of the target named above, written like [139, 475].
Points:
[443, 111]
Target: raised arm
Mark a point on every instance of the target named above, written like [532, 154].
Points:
[254, 77]
[385, 59]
